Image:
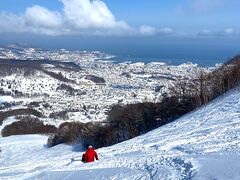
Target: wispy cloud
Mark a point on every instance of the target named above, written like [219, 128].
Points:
[229, 31]
[165, 31]
[151, 31]
[147, 30]
[224, 32]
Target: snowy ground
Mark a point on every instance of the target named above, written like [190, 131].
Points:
[4, 99]
[202, 145]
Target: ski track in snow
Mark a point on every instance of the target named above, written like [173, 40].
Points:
[196, 146]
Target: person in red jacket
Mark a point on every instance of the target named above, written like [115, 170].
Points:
[89, 155]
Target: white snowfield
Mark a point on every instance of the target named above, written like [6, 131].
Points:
[201, 145]
[4, 99]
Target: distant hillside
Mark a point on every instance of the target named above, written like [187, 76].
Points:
[28, 67]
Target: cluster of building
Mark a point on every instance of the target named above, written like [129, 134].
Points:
[89, 100]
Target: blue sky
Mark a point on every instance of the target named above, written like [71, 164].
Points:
[162, 29]
[141, 17]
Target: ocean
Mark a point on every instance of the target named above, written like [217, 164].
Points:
[205, 51]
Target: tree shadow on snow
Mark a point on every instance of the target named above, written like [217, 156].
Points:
[77, 148]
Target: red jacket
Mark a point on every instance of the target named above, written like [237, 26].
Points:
[89, 155]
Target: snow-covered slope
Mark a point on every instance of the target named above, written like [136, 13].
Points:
[201, 145]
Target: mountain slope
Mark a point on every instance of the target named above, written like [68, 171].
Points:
[201, 145]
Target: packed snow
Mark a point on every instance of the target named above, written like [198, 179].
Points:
[204, 144]
[4, 99]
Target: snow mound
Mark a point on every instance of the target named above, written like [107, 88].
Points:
[204, 144]
[4, 99]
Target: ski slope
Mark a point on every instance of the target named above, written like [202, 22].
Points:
[202, 145]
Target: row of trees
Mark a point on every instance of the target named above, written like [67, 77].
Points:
[27, 125]
[16, 112]
[208, 86]
[123, 123]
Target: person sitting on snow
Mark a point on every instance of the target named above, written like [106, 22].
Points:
[89, 155]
